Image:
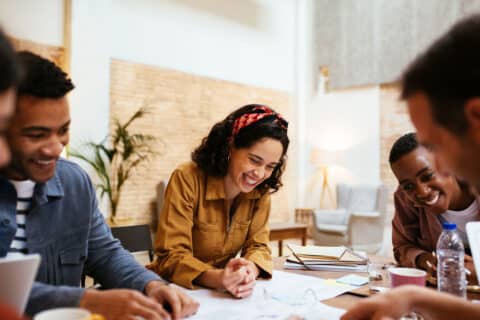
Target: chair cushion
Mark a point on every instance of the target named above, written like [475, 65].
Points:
[332, 228]
[363, 198]
[334, 216]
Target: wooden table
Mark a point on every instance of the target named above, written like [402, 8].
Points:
[348, 299]
[282, 231]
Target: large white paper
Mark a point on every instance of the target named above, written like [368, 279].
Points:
[284, 295]
[17, 272]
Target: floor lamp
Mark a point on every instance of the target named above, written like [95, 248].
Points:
[323, 160]
[326, 191]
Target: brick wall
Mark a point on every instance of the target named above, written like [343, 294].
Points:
[183, 109]
[394, 122]
[53, 53]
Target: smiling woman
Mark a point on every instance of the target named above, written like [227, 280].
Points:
[219, 204]
[425, 198]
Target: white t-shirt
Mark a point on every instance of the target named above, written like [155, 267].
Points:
[25, 190]
[460, 218]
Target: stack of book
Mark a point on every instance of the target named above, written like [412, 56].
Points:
[337, 258]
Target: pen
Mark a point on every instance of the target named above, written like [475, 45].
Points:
[429, 264]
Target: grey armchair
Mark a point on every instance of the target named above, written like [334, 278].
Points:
[358, 221]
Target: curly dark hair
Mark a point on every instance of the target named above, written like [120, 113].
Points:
[8, 64]
[403, 145]
[42, 78]
[212, 154]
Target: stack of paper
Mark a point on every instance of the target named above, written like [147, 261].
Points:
[337, 258]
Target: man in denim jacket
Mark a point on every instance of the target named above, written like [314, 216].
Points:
[63, 222]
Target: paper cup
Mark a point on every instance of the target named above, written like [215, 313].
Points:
[403, 276]
[63, 314]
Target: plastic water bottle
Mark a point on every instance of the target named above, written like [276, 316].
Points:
[450, 268]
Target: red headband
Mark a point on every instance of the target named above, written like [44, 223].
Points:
[247, 119]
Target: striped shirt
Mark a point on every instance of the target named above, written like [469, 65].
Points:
[24, 199]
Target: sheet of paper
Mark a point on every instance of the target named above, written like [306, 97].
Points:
[353, 279]
[285, 294]
[319, 251]
[17, 273]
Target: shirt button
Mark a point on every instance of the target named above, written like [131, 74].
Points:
[5, 222]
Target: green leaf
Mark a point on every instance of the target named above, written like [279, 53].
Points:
[116, 157]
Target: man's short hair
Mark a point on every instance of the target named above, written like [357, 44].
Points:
[9, 71]
[403, 145]
[42, 78]
[448, 72]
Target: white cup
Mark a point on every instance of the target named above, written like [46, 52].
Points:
[63, 314]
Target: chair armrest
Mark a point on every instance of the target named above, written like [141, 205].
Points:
[365, 214]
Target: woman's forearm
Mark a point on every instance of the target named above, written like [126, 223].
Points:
[211, 279]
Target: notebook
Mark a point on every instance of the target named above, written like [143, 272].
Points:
[17, 273]
[338, 258]
[327, 255]
[290, 264]
[473, 234]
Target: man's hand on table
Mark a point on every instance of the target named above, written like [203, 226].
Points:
[128, 304]
[179, 303]
[390, 305]
[122, 304]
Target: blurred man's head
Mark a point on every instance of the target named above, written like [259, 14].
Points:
[39, 129]
[442, 89]
[9, 75]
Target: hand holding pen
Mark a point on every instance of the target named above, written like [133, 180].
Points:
[428, 262]
[469, 267]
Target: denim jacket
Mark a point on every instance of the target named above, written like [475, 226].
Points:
[67, 229]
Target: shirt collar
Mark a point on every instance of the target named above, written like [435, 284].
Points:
[54, 187]
[51, 189]
[216, 190]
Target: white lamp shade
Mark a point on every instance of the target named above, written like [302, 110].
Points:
[323, 157]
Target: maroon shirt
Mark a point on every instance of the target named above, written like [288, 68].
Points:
[415, 230]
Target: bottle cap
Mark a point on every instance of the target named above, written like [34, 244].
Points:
[449, 226]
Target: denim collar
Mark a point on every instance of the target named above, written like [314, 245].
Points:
[51, 189]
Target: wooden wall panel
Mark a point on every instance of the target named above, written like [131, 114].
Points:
[394, 122]
[183, 109]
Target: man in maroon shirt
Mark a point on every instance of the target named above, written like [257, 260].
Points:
[442, 90]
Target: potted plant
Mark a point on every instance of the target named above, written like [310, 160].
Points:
[116, 157]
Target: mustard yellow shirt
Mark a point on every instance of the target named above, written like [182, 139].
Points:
[195, 233]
